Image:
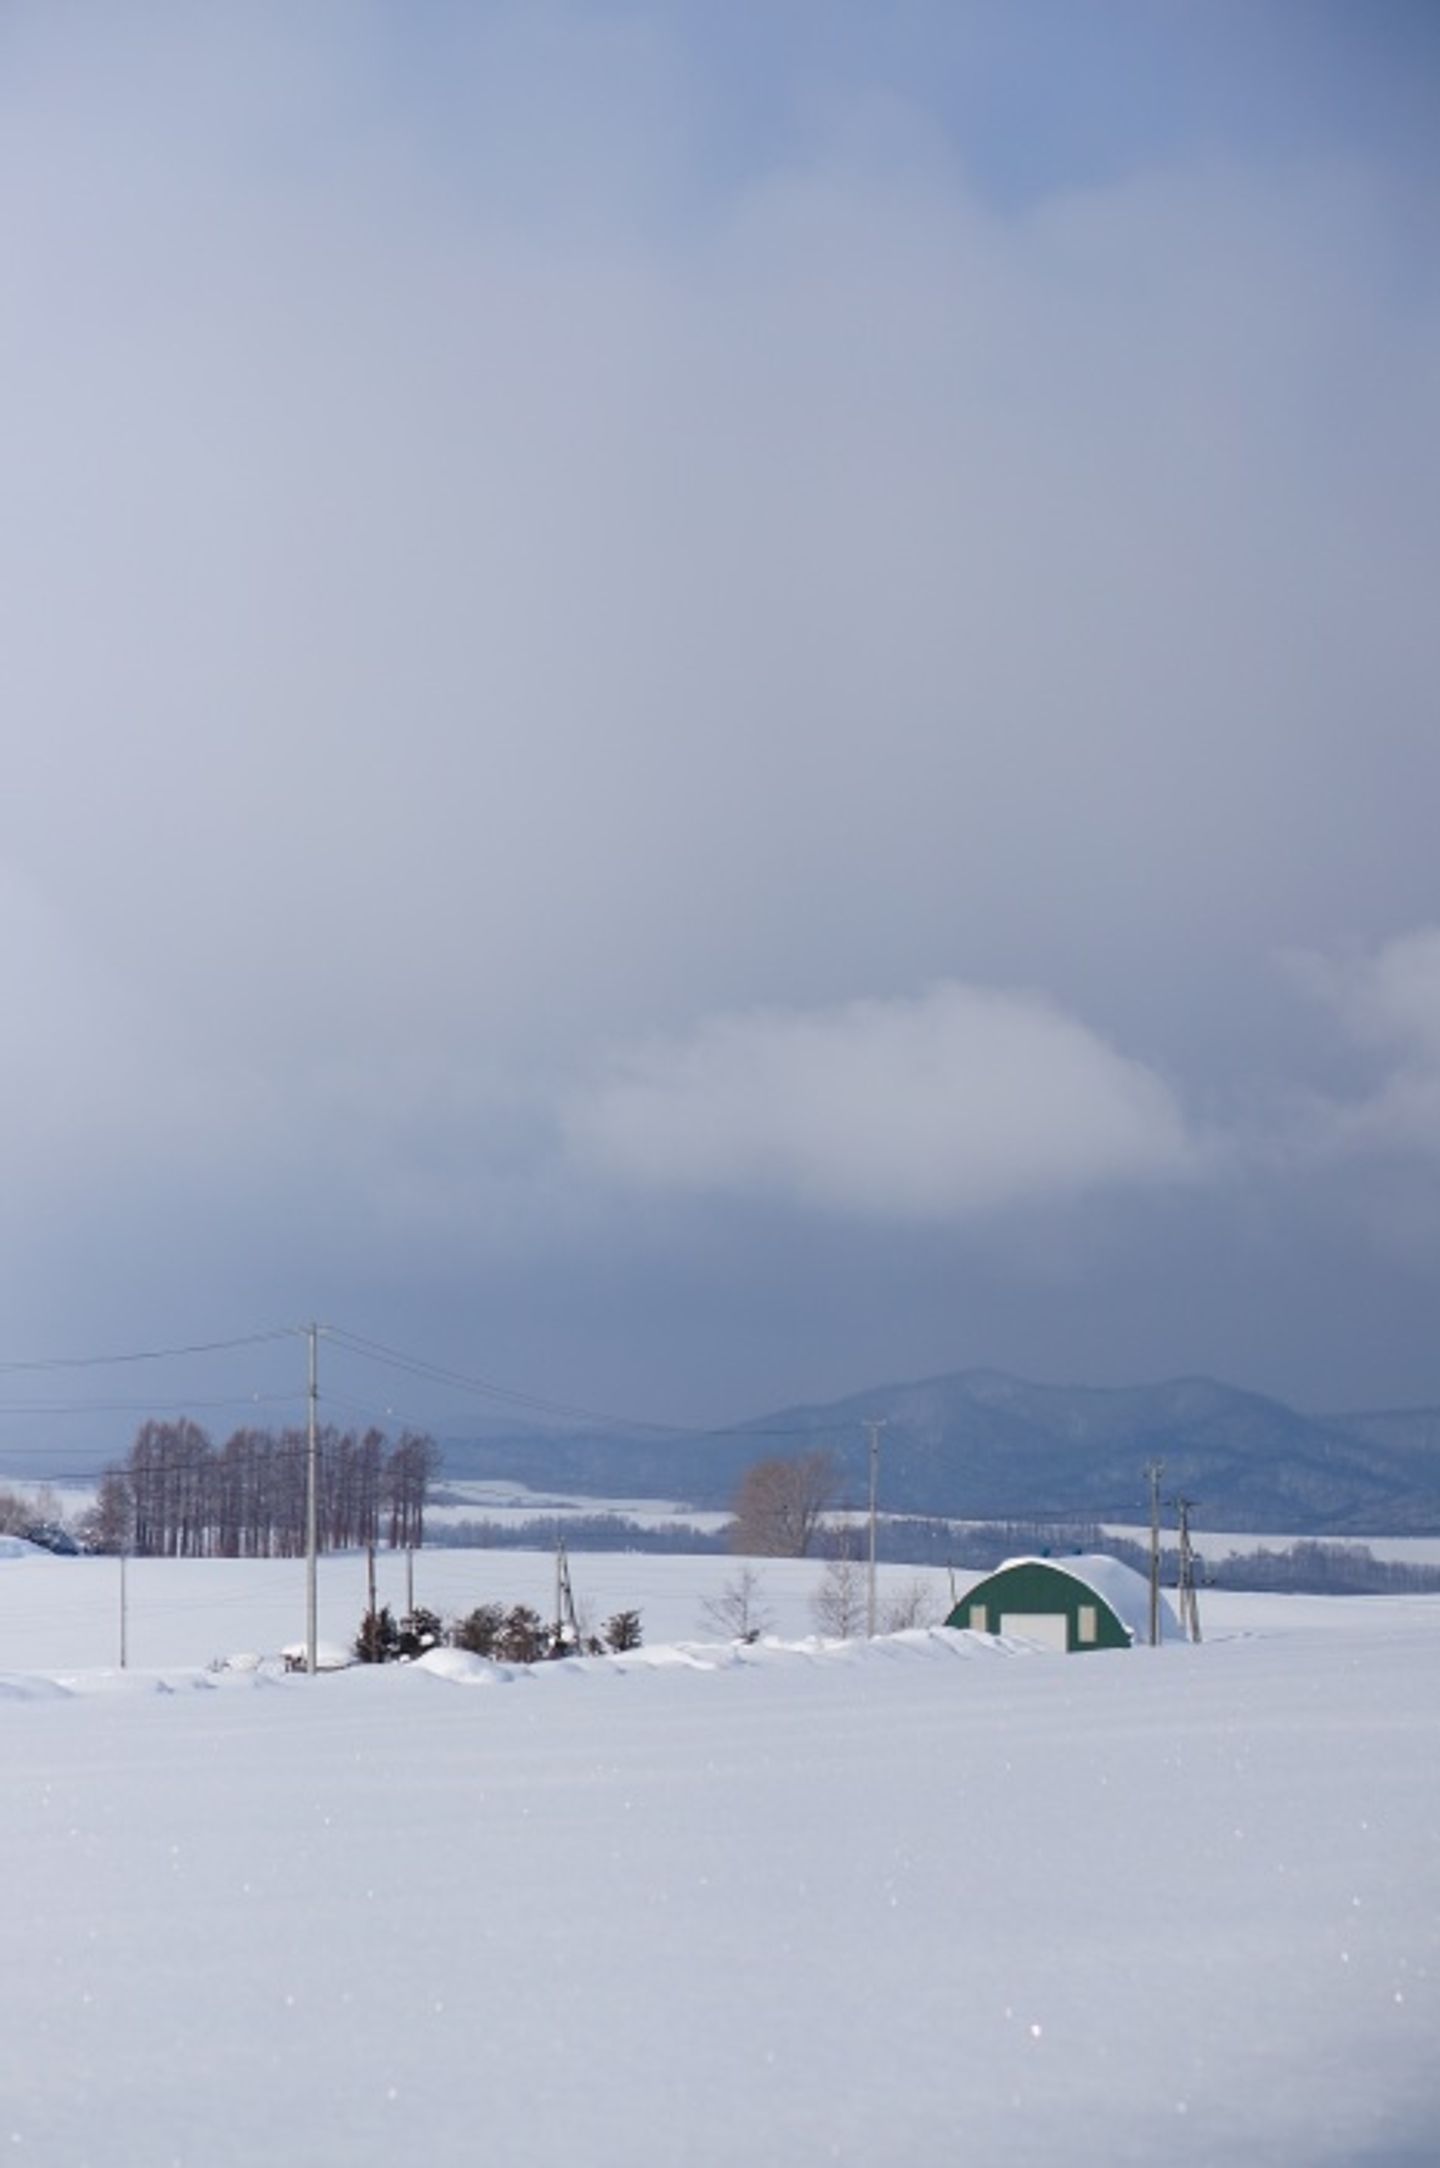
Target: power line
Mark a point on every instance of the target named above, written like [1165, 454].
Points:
[142, 1407]
[410, 1364]
[440, 1374]
[155, 1354]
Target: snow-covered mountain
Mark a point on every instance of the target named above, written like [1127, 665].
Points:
[980, 1443]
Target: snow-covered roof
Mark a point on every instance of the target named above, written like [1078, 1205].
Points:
[1126, 1591]
[329, 1655]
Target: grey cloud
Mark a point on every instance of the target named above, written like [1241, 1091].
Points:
[962, 1101]
[471, 604]
[1387, 1002]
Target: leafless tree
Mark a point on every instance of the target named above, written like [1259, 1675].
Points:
[913, 1604]
[838, 1604]
[109, 1524]
[738, 1612]
[177, 1497]
[408, 1475]
[781, 1504]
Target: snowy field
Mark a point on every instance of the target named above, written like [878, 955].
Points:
[63, 1614]
[796, 1904]
[476, 1499]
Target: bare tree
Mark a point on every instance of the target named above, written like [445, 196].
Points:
[781, 1504]
[738, 1612]
[109, 1525]
[178, 1497]
[913, 1604]
[409, 1472]
[838, 1604]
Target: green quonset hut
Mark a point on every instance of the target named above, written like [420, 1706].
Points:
[1085, 1602]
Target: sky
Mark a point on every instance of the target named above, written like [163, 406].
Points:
[708, 705]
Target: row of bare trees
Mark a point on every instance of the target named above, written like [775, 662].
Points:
[180, 1496]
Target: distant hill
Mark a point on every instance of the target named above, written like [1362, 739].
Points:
[979, 1443]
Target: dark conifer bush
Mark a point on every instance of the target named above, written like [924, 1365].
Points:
[524, 1639]
[622, 1632]
[418, 1631]
[480, 1632]
[378, 1641]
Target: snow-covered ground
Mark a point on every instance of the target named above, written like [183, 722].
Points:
[64, 1613]
[795, 1904]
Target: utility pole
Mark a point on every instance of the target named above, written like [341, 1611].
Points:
[409, 1580]
[1185, 1582]
[565, 1614]
[312, 1507]
[1154, 1471]
[123, 1619]
[874, 1425]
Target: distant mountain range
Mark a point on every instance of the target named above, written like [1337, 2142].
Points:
[983, 1445]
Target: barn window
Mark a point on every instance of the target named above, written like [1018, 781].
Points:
[1089, 1626]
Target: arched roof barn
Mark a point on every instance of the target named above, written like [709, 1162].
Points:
[1085, 1602]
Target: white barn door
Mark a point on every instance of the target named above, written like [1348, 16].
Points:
[1049, 1628]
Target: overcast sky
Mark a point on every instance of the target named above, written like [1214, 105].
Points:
[706, 704]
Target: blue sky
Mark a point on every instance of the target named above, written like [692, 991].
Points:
[710, 703]
[1029, 100]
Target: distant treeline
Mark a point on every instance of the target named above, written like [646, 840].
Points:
[1322, 1569]
[581, 1532]
[180, 1496]
[1305, 1568]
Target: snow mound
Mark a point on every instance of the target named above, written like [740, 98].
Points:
[918, 1645]
[20, 1686]
[461, 1666]
[17, 1547]
[329, 1655]
[102, 1679]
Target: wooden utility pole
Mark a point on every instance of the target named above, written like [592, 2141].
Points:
[565, 1615]
[1154, 1471]
[874, 1425]
[1185, 1581]
[124, 1638]
[312, 1508]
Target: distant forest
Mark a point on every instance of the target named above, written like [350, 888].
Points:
[1303, 1568]
[180, 1496]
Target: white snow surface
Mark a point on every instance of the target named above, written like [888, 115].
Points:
[18, 1547]
[796, 1903]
